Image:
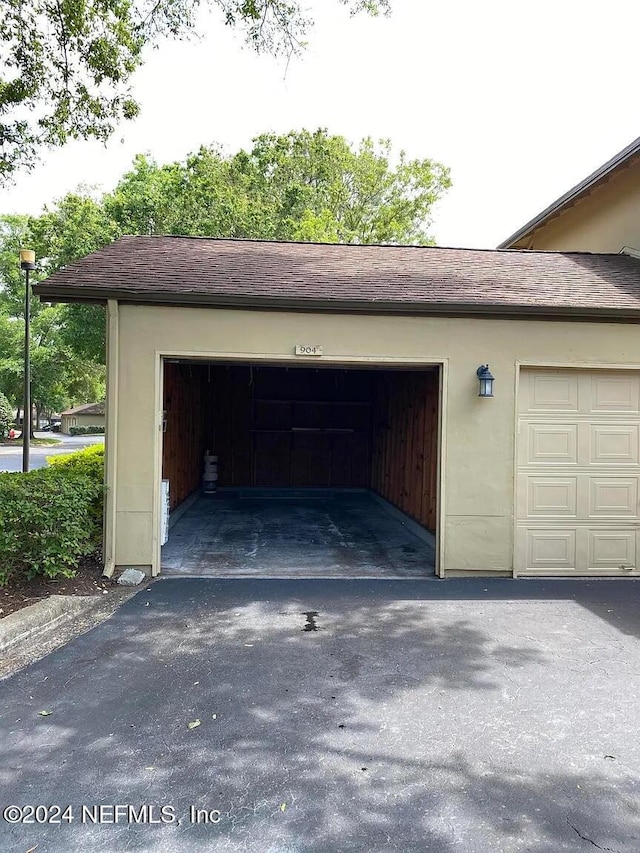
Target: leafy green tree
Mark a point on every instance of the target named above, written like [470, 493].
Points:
[15, 233]
[66, 65]
[77, 225]
[6, 416]
[60, 373]
[298, 186]
[318, 187]
[11, 349]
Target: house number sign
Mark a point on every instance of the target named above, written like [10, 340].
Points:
[305, 349]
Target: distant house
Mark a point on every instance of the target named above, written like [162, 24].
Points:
[89, 414]
[600, 214]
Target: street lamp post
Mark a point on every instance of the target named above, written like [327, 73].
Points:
[27, 263]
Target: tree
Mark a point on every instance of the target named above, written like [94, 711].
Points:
[15, 233]
[6, 416]
[299, 186]
[65, 66]
[60, 375]
[318, 187]
[75, 227]
[303, 185]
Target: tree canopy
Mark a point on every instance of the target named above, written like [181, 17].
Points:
[65, 66]
[61, 372]
[304, 185]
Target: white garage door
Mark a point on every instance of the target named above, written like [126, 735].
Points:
[578, 472]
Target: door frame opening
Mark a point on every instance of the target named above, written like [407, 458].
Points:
[293, 361]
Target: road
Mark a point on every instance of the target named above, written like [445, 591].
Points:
[11, 457]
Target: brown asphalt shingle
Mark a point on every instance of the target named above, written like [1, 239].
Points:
[87, 409]
[245, 272]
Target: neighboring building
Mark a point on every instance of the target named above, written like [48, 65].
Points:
[346, 366]
[600, 214]
[87, 415]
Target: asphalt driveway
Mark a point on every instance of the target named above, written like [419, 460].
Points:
[462, 715]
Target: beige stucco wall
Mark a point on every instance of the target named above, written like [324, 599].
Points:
[80, 420]
[478, 434]
[606, 220]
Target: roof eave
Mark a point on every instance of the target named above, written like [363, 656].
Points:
[334, 306]
[622, 158]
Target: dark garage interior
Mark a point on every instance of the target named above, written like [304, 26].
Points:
[304, 456]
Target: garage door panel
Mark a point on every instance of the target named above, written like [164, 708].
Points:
[554, 391]
[613, 496]
[551, 549]
[578, 479]
[551, 496]
[550, 444]
[610, 444]
[614, 393]
[612, 549]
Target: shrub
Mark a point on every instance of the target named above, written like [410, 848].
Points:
[47, 522]
[6, 416]
[86, 430]
[85, 463]
[88, 462]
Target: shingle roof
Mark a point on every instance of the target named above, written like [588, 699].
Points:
[311, 276]
[87, 409]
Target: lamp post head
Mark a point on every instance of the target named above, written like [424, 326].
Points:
[27, 259]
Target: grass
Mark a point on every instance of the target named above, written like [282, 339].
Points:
[35, 442]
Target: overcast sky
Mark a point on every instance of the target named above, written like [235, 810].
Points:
[520, 101]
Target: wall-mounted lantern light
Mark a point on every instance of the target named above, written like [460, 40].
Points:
[486, 379]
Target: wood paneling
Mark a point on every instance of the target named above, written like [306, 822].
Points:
[405, 443]
[185, 402]
[272, 426]
[300, 427]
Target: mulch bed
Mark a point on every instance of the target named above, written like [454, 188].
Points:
[88, 581]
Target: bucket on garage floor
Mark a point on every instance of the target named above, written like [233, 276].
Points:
[210, 475]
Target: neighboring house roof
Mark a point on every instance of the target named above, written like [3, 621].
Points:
[620, 161]
[329, 277]
[87, 409]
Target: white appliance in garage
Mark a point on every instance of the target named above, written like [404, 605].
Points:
[164, 512]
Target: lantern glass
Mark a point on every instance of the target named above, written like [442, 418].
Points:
[27, 259]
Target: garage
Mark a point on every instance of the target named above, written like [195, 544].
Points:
[340, 384]
[578, 472]
[321, 471]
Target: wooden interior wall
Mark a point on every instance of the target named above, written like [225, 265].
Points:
[300, 427]
[185, 402]
[303, 427]
[405, 443]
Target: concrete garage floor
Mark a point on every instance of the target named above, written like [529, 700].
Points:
[305, 533]
[465, 716]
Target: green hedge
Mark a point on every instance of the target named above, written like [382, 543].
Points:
[51, 517]
[86, 430]
[85, 463]
[88, 462]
